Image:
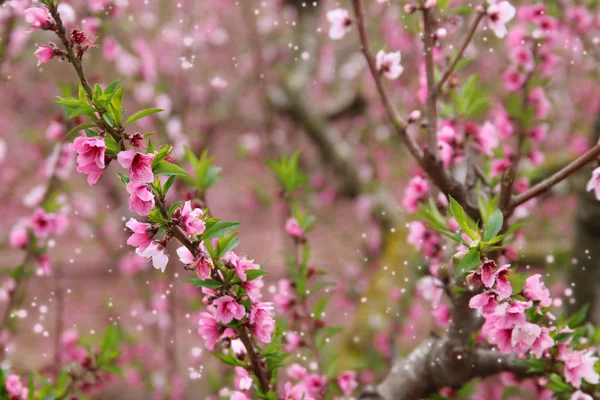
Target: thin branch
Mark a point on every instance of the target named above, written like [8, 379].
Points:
[431, 112]
[545, 185]
[459, 56]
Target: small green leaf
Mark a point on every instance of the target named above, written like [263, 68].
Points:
[80, 128]
[469, 262]
[461, 218]
[142, 114]
[167, 168]
[563, 337]
[253, 274]
[579, 317]
[494, 225]
[87, 110]
[220, 229]
[207, 283]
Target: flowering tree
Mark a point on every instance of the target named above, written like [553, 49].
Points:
[476, 160]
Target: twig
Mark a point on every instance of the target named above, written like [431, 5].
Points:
[460, 53]
[559, 176]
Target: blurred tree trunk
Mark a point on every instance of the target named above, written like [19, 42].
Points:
[583, 275]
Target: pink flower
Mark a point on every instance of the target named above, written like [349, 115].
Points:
[293, 228]
[416, 191]
[535, 290]
[253, 288]
[522, 57]
[38, 18]
[499, 14]
[203, 264]
[578, 366]
[239, 395]
[19, 238]
[430, 289]
[542, 343]
[523, 336]
[389, 64]
[340, 23]
[44, 224]
[297, 392]
[240, 264]
[243, 380]
[156, 252]
[347, 382]
[264, 324]
[315, 384]
[141, 200]
[90, 158]
[55, 131]
[131, 264]
[441, 315]
[503, 286]
[139, 165]
[228, 309]
[192, 219]
[487, 138]
[594, 183]
[485, 301]
[44, 54]
[208, 329]
[142, 234]
[296, 371]
[513, 79]
[13, 385]
[540, 102]
[579, 395]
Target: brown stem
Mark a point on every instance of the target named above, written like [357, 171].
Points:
[254, 359]
[431, 112]
[460, 53]
[545, 185]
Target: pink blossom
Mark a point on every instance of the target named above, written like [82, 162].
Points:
[55, 131]
[44, 54]
[522, 57]
[293, 228]
[141, 199]
[441, 315]
[208, 329]
[523, 336]
[156, 252]
[347, 382]
[416, 191]
[139, 165]
[293, 341]
[239, 396]
[578, 366]
[240, 264]
[535, 290]
[263, 323]
[542, 343]
[430, 289]
[315, 384]
[389, 64]
[594, 183]
[297, 392]
[253, 288]
[296, 371]
[340, 23]
[579, 395]
[540, 102]
[499, 15]
[131, 264]
[513, 79]
[13, 386]
[512, 314]
[203, 264]
[503, 286]
[18, 237]
[487, 138]
[90, 158]
[485, 301]
[44, 224]
[228, 309]
[38, 18]
[243, 380]
[142, 234]
[191, 219]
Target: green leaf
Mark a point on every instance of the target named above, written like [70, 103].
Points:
[579, 317]
[219, 229]
[110, 340]
[563, 337]
[253, 274]
[87, 110]
[142, 114]
[113, 369]
[207, 283]
[469, 261]
[453, 235]
[494, 225]
[461, 218]
[80, 128]
[319, 307]
[320, 285]
[167, 168]
[230, 360]
[124, 178]
[69, 102]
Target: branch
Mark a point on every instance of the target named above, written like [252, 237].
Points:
[559, 176]
[459, 56]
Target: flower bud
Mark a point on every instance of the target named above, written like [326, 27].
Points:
[414, 116]
[410, 8]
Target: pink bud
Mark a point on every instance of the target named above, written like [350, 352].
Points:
[409, 8]
[414, 116]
